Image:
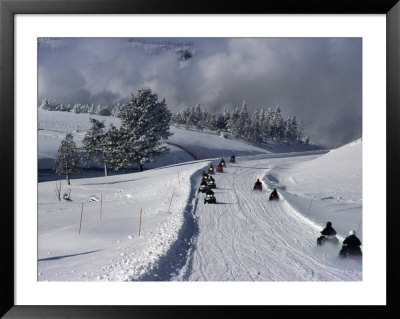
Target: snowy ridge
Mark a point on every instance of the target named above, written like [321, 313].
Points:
[167, 244]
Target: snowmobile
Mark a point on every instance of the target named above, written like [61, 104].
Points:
[258, 185]
[350, 252]
[210, 199]
[273, 197]
[232, 160]
[327, 239]
[222, 163]
[219, 169]
[211, 184]
[203, 188]
[211, 170]
[205, 176]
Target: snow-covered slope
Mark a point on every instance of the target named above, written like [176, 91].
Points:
[185, 145]
[340, 170]
[243, 237]
[328, 186]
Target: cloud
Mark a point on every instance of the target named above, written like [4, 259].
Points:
[316, 79]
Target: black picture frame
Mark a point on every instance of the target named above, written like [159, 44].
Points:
[9, 8]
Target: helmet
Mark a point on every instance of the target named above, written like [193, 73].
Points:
[352, 232]
[328, 224]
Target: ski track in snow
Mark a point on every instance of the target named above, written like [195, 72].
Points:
[243, 237]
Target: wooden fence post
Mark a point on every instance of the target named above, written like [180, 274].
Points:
[179, 179]
[140, 222]
[170, 201]
[80, 224]
[101, 204]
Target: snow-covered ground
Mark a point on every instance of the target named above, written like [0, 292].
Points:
[243, 237]
[185, 145]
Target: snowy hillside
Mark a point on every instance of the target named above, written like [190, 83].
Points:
[243, 237]
[185, 145]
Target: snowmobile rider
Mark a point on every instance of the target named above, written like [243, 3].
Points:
[211, 179]
[274, 193]
[203, 182]
[327, 231]
[351, 244]
[210, 192]
[257, 183]
[222, 161]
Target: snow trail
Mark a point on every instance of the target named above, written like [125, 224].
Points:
[244, 237]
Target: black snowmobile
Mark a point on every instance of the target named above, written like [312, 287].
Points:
[211, 170]
[210, 199]
[232, 160]
[211, 184]
[203, 188]
[257, 186]
[274, 195]
[222, 163]
[205, 177]
[332, 239]
[350, 252]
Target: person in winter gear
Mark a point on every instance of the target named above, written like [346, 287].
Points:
[274, 195]
[203, 186]
[222, 162]
[210, 198]
[211, 182]
[210, 192]
[219, 168]
[327, 231]
[351, 245]
[211, 169]
[257, 184]
[232, 160]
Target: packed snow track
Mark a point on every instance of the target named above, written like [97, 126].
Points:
[245, 237]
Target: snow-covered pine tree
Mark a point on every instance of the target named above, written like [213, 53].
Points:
[243, 118]
[114, 148]
[68, 158]
[227, 115]
[291, 130]
[94, 144]
[198, 119]
[233, 124]
[220, 123]
[277, 125]
[255, 134]
[144, 127]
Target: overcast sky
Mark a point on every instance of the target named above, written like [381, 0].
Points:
[318, 80]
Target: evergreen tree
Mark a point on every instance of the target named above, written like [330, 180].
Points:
[68, 158]
[144, 127]
[277, 127]
[94, 144]
[114, 148]
[233, 124]
[255, 134]
[243, 118]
